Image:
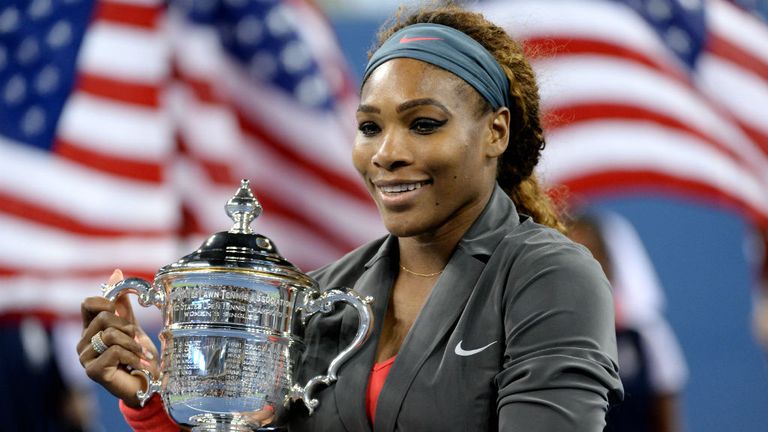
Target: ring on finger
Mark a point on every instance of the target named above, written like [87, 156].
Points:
[98, 343]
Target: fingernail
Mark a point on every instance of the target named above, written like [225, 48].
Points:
[116, 276]
[144, 363]
[147, 354]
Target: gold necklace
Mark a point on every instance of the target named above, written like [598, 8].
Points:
[420, 274]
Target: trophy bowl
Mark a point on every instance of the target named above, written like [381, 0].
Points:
[233, 312]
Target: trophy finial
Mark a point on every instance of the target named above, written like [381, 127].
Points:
[243, 208]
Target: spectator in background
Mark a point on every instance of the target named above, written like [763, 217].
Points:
[651, 363]
[42, 389]
[760, 303]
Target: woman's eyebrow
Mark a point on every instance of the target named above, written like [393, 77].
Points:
[368, 109]
[404, 106]
[418, 102]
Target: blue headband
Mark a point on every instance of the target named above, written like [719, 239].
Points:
[449, 49]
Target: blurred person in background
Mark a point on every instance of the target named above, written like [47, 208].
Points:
[42, 390]
[651, 364]
[760, 294]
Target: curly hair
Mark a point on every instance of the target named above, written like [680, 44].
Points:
[526, 141]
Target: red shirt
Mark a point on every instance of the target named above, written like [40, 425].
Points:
[376, 380]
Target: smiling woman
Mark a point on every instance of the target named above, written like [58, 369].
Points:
[486, 316]
[427, 159]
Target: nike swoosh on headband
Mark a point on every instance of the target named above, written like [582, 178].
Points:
[405, 39]
[464, 353]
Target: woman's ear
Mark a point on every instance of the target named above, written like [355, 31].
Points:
[499, 132]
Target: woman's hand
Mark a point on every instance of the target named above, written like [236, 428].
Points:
[127, 346]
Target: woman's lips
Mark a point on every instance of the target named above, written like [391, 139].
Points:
[394, 193]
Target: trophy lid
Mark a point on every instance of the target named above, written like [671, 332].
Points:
[240, 249]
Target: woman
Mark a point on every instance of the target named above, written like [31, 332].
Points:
[487, 318]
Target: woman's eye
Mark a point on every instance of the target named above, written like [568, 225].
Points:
[368, 128]
[426, 126]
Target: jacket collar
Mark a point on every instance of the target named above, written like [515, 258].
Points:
[497, 219]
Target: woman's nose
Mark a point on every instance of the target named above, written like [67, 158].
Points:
[391, 153]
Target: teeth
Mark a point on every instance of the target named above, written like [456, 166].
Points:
[401, 187]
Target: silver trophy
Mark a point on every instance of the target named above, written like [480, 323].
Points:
[233, 311]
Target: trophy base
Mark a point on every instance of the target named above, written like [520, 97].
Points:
[222, 423]
[221, 428]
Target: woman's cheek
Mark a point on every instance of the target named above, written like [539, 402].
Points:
[360, 157]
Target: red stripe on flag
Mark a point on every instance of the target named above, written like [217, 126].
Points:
[584, 112]
[741, 58]
[12, 205]
[190, 224]
[758, 136]
[119, 90]
[543, 48]
[128, 14]
[108, 163]
[218, 173]
[201, 89]
[624, 182]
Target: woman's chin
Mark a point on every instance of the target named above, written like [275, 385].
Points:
[402, 228]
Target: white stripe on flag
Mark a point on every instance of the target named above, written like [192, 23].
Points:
[38, 248]
[125, 53]
[91, 197]
[120, 129]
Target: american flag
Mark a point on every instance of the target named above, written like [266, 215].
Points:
[655, 96]
[125, 125]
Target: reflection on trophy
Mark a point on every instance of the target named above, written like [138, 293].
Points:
[232, 311]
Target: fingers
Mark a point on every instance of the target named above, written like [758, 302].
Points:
[92, 306]
[121, 350]
[110, 325]
[112, 336]
[111, 370]
[123, 353]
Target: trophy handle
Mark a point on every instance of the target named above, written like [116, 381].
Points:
[153, 385]
[324, 303]
[148, 296]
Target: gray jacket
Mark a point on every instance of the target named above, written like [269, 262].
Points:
[517, 335]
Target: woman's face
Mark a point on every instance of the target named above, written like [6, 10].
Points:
[426, 154]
